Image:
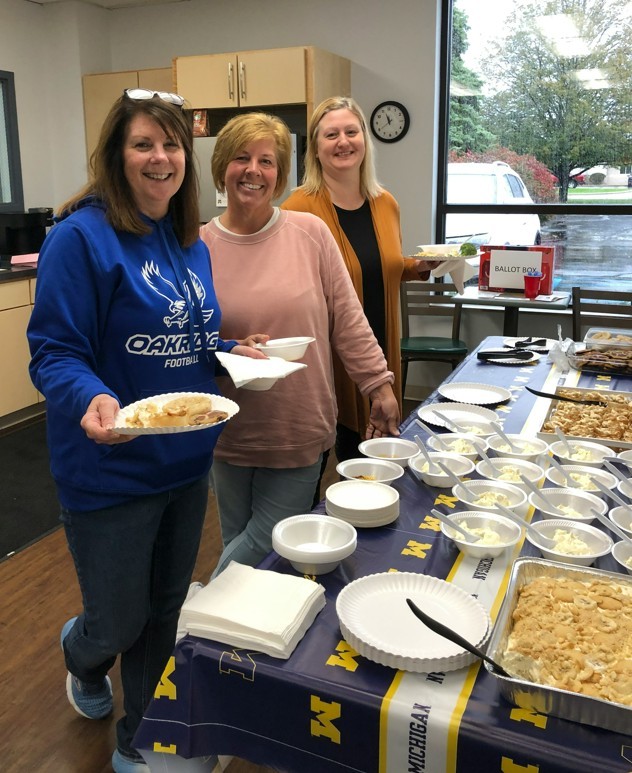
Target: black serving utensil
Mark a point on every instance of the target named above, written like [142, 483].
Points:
[554, 396]
[506, 354]
[530, 342]
[452, 636]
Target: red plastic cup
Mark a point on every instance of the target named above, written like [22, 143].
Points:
[531, 286]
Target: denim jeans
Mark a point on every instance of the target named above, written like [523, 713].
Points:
[252, 500]
[134, 564]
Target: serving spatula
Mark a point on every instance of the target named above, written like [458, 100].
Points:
[563, 398]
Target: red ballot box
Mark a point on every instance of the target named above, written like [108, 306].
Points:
[504, 267]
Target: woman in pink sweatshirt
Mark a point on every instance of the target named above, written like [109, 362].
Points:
[281, 272]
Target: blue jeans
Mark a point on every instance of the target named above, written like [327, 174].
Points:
[252, 500]
[134, 564]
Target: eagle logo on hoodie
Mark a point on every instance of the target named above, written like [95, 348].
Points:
[177, 303]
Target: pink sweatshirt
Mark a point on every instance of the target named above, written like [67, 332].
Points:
[290, 280]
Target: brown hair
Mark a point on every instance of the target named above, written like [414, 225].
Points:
[313, 177]
[241, 131]
[107, 166]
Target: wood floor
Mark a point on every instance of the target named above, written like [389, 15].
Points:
[39, 731]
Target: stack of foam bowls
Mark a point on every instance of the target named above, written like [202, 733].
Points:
[362, 503]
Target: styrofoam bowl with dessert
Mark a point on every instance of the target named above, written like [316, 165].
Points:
[624, 487]
[626, 455]
[394, 449]
[622, 554]
[475, 426]
[529, 449]
[495, 533]
[378, 470]
[286, 348]
[575, 543]
[462, 443]
[583, 476]
[483, 495]
[574, 504]
[581, 452]
[313, 543]
[510, 471]
[622, 517]
[434, 475]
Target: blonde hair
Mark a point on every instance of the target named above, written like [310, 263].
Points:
[313, 181]
[241, 131]
[109, 184]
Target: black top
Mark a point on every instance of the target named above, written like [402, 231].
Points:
[357, 225]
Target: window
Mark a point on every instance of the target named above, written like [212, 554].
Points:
[536, 131]
[11, 195]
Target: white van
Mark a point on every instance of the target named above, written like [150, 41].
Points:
[496, 183]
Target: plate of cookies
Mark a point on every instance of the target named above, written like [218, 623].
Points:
[174, 412]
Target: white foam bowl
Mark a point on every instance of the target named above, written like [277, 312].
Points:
[458, 443]
[625, 455]
[532, 472]
[314, 544]
[622, 517]
[597, 541]
[578, 500]
[625, 488]
[622, 553]
[362, 502]
[394, 449]
[470, 493]
[603, 476]
[475, 426]
[378, 470]
[580, 447]
[533, 448]
[508, 531]
[260, 384]
[286, 348]
[459, 465]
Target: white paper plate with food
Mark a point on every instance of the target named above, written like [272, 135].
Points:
[174, 412]
[474, 393]
[446, 251]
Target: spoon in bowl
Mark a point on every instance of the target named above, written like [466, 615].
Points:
[547, 542]
[535, 490]
[616, 471]
[432, 433]
[570, 482]
[610, 525]
[565, 444]
[455, 526]
[608, 492]
[452, 425]
[432, 467]
[499, 431]
[453, 478]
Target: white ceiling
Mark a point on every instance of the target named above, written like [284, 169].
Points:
[112, 4]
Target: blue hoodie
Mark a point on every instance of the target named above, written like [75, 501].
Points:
[113, 314]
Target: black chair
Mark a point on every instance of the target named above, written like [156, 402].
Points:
[600, 308]
[432, 300]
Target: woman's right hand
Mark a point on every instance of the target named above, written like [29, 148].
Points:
[99, 418]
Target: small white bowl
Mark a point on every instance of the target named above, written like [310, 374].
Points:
[260, 384]
[477, 489]
[622, 517]
[574, 498]
[286, 348]
[475, 426]
[508, 531]
[603, 476]
[362, 502]
[625, 488]
[532, 472]
[597, 541]
[378, 470]
[314, 544]
[459, 465]
[461, 443]
[394, 449]
[622, 553]
[593, 452]
[532, 448]
[625, 455]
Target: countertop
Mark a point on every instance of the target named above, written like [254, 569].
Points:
[9, 273]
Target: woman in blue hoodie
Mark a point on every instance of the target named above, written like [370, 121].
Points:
[125, 308]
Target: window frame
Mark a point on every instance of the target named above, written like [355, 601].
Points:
[7, 83]
[442, 206]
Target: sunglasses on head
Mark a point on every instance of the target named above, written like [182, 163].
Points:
[166, 96]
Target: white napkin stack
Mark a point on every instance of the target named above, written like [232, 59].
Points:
[254, 608]
[243, 370]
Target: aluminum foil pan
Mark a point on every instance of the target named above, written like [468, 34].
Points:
[584, 709]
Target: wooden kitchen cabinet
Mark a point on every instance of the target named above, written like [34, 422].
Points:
[100, 91]
[302, 75]
[17, 391]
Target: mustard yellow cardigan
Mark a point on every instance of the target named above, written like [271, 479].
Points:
[353, 409]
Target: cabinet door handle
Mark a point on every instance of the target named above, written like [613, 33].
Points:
[242, 80]
[231, 82]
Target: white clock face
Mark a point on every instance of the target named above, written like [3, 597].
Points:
[390, 121]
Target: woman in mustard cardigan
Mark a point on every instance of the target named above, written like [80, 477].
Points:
[340, 186]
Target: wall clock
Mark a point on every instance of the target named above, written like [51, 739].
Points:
[390, 121]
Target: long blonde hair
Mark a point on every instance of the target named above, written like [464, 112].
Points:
[243, 129]
[313, 181]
